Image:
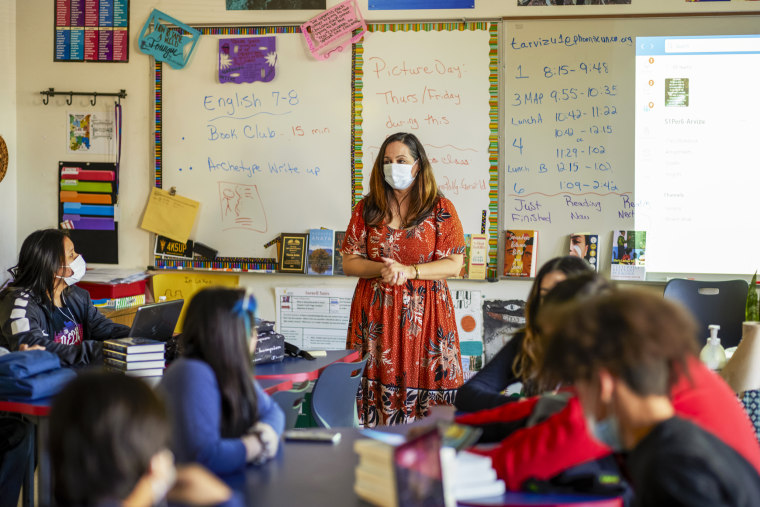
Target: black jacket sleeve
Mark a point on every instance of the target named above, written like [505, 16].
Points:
[97, 326]
[484, 390]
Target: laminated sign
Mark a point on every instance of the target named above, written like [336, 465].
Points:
[170, 44]
[333, 29]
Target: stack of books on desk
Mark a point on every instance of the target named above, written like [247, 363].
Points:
[136, 357]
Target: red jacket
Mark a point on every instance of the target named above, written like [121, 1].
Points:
[562, 441]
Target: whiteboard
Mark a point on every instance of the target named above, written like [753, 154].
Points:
[438, 82]
[263, 157]
[569, 123]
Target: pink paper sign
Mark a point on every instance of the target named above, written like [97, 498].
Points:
[332, 30]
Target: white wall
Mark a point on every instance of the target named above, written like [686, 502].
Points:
[8, 187]
[41, 129]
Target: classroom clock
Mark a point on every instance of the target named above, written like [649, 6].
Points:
[3, 158]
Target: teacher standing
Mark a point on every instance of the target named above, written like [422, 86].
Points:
[403, 241]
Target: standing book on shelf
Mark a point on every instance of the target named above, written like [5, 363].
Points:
[628, 255]
[338, 258]
[586, 246]
[477, 264]
[320, 252]
[520, 247]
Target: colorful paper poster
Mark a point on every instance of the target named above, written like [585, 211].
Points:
[247, 60]
[185, 285]
[270, 5]
[334, 30]
[90, 132]
[469, 316]
[387, 5]
[314, 319]
[544, 3]
[168, 44]
[91, 30]
[500, 321]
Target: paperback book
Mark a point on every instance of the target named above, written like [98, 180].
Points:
[520, 247]
[586, 246]
[477, 264]
[320, 252]
[628, 255]
[337, 257]
[132, 345]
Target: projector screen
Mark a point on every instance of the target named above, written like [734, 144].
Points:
[697, 152]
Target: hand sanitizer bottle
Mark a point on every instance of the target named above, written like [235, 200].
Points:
[712, 353]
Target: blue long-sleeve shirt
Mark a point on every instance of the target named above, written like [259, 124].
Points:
[194, 401]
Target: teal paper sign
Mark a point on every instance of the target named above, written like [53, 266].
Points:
[471, 348]
[170, 44]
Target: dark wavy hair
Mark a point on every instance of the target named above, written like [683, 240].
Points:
[526, 362]
[104, 429]
[215, 332]
[637, 336]
[40, 258]
[424, 193]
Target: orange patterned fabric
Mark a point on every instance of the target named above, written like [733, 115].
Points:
[408, 331]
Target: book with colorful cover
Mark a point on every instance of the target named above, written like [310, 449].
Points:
[586, 246]
[628, 255]
[320, 252]
[337, 257]
[478, 262]
[520, 248]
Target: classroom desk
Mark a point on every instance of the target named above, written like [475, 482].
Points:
[298, 369]
[318, 474]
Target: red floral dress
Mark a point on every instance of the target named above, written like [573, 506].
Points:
[408, 331]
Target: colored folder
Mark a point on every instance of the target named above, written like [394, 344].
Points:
[71, 196]
[77, 173]
[86, 186]
[76, 208]
[89, 223]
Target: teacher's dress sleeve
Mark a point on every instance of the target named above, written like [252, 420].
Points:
[355, 242]
[449, 236]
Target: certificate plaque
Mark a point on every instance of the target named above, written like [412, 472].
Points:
[292, 258]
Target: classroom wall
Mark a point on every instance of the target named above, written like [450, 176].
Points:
[8, 212]
[41, 129]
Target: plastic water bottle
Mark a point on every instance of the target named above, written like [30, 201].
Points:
[712, 353]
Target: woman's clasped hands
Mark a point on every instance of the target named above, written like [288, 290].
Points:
[392, 272]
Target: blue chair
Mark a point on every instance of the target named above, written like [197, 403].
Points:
[721, 303]
[290, 402]
[333, 400]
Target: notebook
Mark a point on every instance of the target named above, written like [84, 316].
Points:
[156, 321]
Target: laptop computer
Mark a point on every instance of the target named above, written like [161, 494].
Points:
[156, 321]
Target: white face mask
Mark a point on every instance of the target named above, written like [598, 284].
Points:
[399, 176]
[78, 268]
[607, 431]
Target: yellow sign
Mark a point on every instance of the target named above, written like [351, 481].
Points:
[170, 215]
[185, 285]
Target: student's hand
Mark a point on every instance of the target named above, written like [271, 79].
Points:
[270, 441]
[392, 272]
[253, 447]
[197, 486]
[24, 347]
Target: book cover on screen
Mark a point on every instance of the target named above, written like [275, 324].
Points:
[520, 248]
[586, 246]
[337, 257]
[628, 255]
[320, 252]
[477, 264]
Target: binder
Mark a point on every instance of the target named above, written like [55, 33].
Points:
[77, 173]
[88, 223]
[75, 208]
[71, 196]
[86, 186]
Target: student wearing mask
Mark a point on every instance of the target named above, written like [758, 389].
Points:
[42, 306]
[404, 239]
[624, 354]
[221, 417]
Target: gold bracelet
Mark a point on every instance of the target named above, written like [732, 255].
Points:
[416, 272]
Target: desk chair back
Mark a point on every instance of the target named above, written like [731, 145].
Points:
[719, 303]
[333, 400]
[290, 402]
